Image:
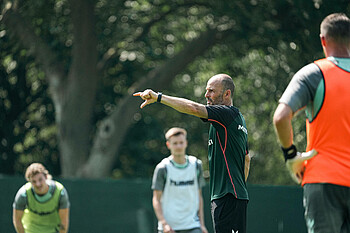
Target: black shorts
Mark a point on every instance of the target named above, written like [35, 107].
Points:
[229, 214]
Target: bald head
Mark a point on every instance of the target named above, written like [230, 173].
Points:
[220, 88]
[225, 81]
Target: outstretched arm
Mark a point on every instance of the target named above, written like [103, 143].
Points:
[179, 104]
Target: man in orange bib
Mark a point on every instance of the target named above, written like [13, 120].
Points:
[323, 88]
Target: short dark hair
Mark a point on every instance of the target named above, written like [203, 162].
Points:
[336, 27]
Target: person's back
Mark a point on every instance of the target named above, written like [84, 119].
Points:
[329, 131]
[323, 88]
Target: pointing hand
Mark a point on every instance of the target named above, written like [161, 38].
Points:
[148, 96]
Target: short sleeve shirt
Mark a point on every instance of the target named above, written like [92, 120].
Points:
[228, 146]
[302, 88]
[306, 86]
[20, 202]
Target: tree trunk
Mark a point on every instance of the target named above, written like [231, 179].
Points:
[75, 120]
[74, 94]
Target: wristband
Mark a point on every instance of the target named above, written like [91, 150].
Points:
[289, 152]
[159, 98]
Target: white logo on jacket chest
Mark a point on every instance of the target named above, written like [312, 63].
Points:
[210, 142]
[240, 127]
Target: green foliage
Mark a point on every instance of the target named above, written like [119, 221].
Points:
[28, 132]
[261, 60]
[269, 42]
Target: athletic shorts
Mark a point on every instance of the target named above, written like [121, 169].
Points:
[229, 214]
[194, 230]
[327, 208]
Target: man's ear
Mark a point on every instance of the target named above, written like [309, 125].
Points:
[323, 40]
[167, 144]
[228, 93]
[324, 43]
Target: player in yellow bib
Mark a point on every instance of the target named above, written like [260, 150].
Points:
[41, 205]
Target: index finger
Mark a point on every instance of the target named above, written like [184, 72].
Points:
[137, 94]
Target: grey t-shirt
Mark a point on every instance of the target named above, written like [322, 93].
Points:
[159, 175]
[20, 202]
[302, 88]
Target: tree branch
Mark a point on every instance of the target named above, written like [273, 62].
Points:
[160, 17]
[112, 130]
[19, 27]
[146, 28]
